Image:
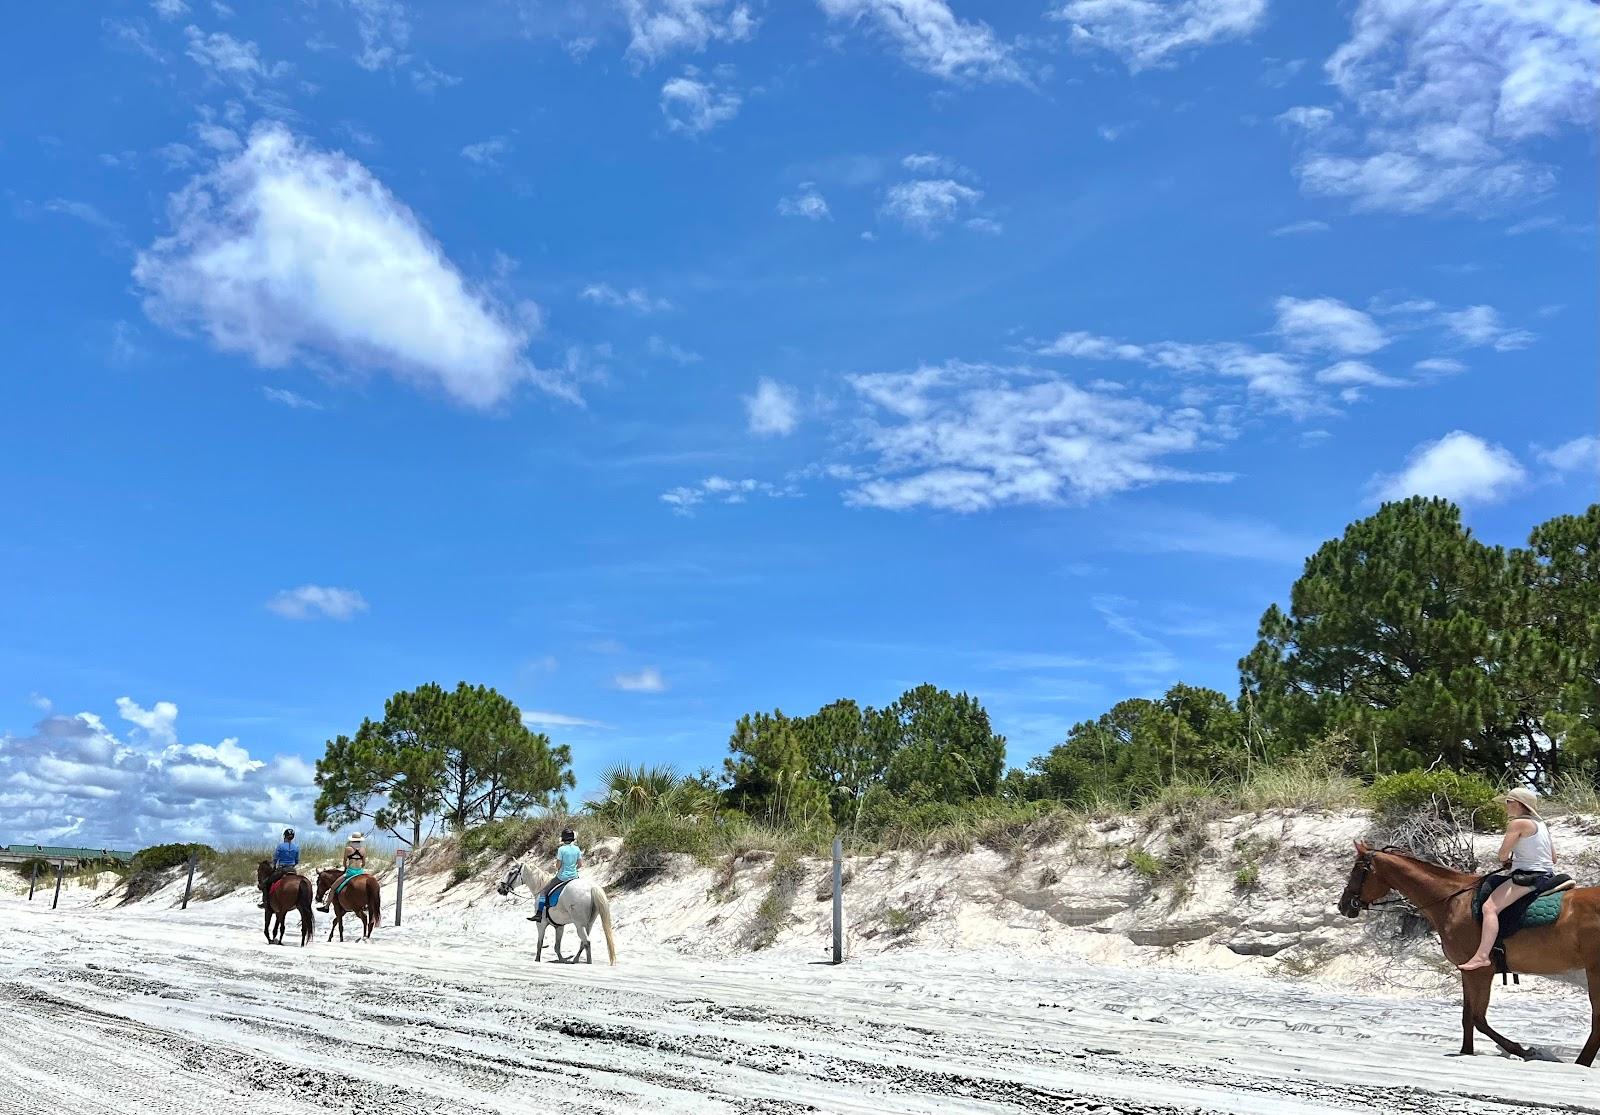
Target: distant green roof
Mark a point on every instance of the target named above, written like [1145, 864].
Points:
[53, 851]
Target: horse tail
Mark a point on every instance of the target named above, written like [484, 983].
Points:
[374, 900]
[603, 905]
[308, 918]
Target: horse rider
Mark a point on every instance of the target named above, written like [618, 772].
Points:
[569, 857]
[355, 862]
[285, 858]
[1526, 852]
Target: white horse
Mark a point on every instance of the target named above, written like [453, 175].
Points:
[577, 905]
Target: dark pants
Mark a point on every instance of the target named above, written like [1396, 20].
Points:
[272, 880]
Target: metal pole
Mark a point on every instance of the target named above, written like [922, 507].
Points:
[61, 869]
[33, 882]
[838, 900]
[188, 887]
[399, 883]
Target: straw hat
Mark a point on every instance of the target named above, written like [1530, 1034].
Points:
[356, 838]
[1525, 798]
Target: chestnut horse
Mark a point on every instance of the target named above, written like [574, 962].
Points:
[360, 894]
[1569, 944]
[292, 892]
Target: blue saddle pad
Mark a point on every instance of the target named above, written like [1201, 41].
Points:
[555, 895]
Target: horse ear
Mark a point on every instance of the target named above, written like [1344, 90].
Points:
[1361, 847]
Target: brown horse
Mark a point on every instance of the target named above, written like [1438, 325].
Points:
[1570, 944]
[360, 894]
[292, 892]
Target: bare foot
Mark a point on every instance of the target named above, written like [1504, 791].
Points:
[1474, 964]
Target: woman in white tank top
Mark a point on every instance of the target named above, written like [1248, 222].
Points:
[1526, 855]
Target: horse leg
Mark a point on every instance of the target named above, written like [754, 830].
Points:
[266, 923]
[1481, 984]
[540, 951]
[583, 942]
[560, 929]
[1467, 1029]
[1592, 1046]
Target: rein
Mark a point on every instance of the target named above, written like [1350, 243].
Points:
[1366, 870]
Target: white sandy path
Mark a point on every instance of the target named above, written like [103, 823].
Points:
[193, 1012]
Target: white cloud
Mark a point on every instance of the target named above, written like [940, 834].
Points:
[1329, 325]
[1581, 454]
[312, 601]
[385, 30]
[774, 409]
[488, 152]
[1459, 467]
[1312, 118]
[927, 204]
[719, 489]
[935, 166]
[1147, 33]
[1300, 228]
[1443, 94]
[931, 38]
[170, 9]
[647, 680]
[1480, 326]
[290, 399]
[40, 702]
[1355, 373]
[159, 723]
[964, 437]
[808, 203]
[75, 781]
[286, 252]
[634, 298]
[694, 107]
[985, 225]
[234, 61]
[662, 27]
[1439, 366]
[537, 718]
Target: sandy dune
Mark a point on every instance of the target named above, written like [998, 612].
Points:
[151, 1009]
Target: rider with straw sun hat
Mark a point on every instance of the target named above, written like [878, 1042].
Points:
[355, 862]
[1529, 857]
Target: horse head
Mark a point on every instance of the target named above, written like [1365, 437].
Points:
[1364, 887]
[510, 880]
[263, 869]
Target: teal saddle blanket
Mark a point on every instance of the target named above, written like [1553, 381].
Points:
[1532, 911]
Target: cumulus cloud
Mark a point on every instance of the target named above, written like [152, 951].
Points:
[1480, 326]
[808, 203]
[694, 107]
[970, 437]
[647, 680]
[73, 780]
[634, 298]
[1459, 466]
[1329, 325]
[318, 601]
[774, 409]
[926, 205]
[284, 252]
[931, 38]
[1445, 99]
[662, 27]
[1580, 455]
[1146, 33]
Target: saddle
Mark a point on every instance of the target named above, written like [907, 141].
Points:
[555, 895]
[349, 875]
[1534, 910]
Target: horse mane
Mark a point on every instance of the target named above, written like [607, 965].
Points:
[1407, 854]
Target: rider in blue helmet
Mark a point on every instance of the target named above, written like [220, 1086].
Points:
[285, 858]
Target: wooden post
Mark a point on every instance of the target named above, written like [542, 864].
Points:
[838, 900]
[399, 882]
[188, 887]
[33, 882]
[61, 869]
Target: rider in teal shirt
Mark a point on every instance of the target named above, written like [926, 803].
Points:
[568, 858]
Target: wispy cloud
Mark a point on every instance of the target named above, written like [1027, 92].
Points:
[774, 409]
[284, 397]
[932, 38]
[659, 28]
[538, 718]
[636, 299]
[1146, 34]
[647, 680]
[318, 601]
[807, 203]
[694, 107]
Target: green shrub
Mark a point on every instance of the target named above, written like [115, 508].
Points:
[1466, 800]
[1145, 864]
[160, 857]
[1246, 878]
[654, 836]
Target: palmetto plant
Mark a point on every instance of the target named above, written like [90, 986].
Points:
[632, 791]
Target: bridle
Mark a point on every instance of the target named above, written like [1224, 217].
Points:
[510, 880]
[1358, 883]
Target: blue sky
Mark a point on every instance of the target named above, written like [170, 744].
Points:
[662, 360]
